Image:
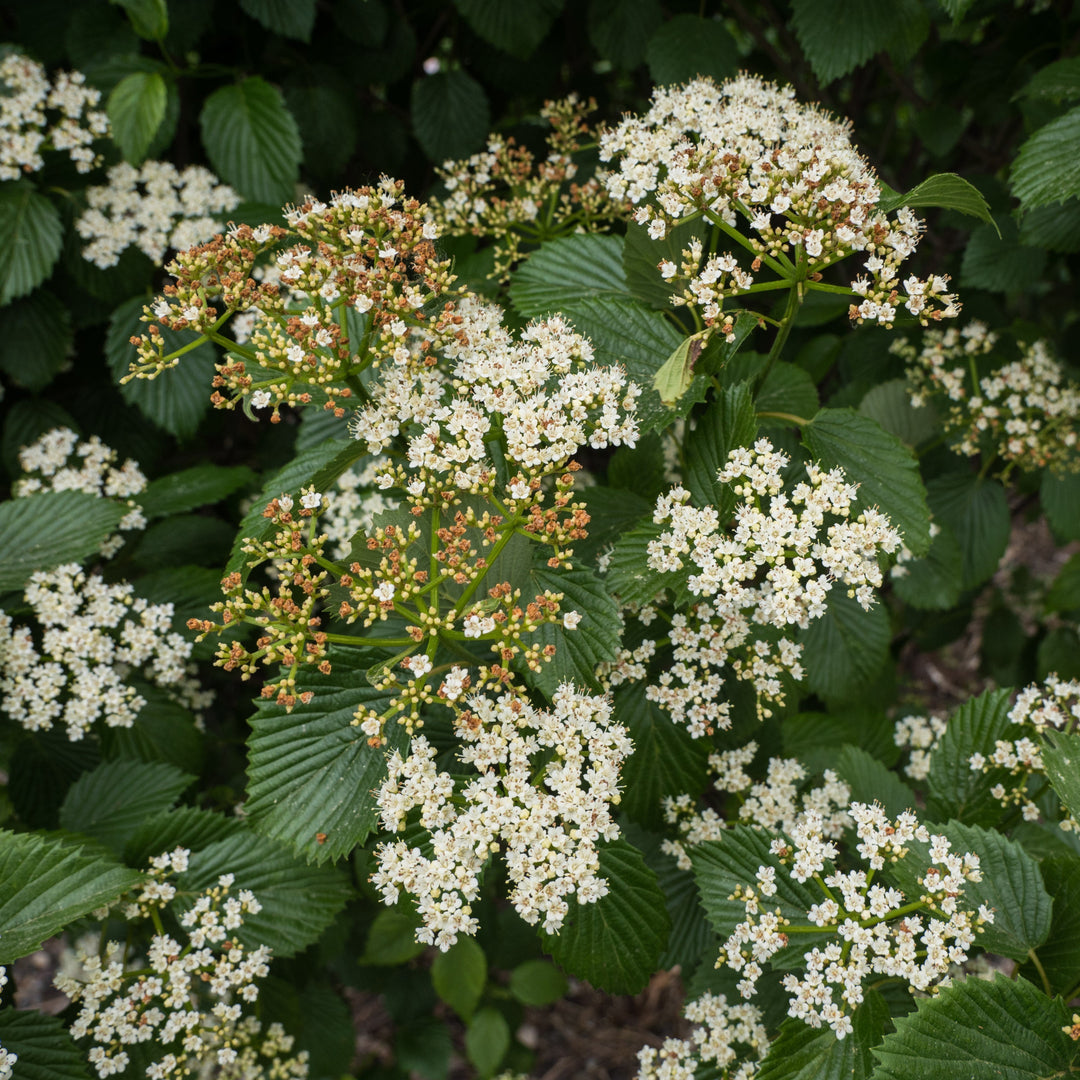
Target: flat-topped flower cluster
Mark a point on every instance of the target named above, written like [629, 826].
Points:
[548, 779]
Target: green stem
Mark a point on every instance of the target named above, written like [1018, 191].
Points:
[795, 299]
[799, 421]
[742, 241]
[466, 596]
[1033, 957]
[369, 643]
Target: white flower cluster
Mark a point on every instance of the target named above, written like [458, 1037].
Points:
[751, 157]
[921, 735]
[154, 207]
[773, 572]
[1026, 412]
[547, 782]
[880, 933]
[729, 1038]
[542, 390]
[58, 461]
[1054, 704]
[26, 96]
[92, 636]
[186, 998]
[354, 506]
[774, 803]
[8, 1059]
[708, 284]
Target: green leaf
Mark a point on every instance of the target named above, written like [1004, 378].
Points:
[817, 738]
[35, 339]
[450, 115]
[627, 333]
[43, 1045]
[977, 511]
[1062, 760]
[1060, 953]
[112, 801]
[179, 397]
[870, 781]
[1060, 498]
[946, 191]
[487, 1039]
[459, 975]
[787, 389]
[676, 374]
[801, 1052]
[289, 18]
[46, 883]
[30, 239]
[252, 140]
[566, 271]
[629, 576]
[149, 18]
[187, 826]
[729, 422]
[955, 790]
[514, 29]
[391, 939]
[1064, 594]
[996, 260]
[642, 256]
[43, 767]
[198, 486]
[1011, 885]
[1006, 1029]
[1058, 81]
[298, 902]
[536, 982]
[136, 109]
[845, 648]
[666, 759]
[596, 638]
[1047, 168]
[889, 403]
[620, 30]
[44, 530]
[328, 127]
[1055, 227]
[311, 772]
[884, 468]
[615, 942]
[932, 583]
[840, 35]
[956, 8]
[687, 46]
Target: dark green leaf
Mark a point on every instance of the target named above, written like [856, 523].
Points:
[933, 582]
[450, 115]
[883, 467]
[194, 487]
[1060, 498]
[487, 1039]
[298, 902]
[328, 127]
[44, 530]
[946, 191]
[840, 35]
[642, 256]
[46, 883]
[187, 826]
[30, 239]
[1055, 227]
[149, 18]
[629, 576]
[252, 140]
[997, 261]
[789, 390]
[568, 270]
[311, 772]
[1047, 168]
[136, 109]
[1064, 594]
[845, 648]
[889, 403]
[615, 942]
[112, 801]
[391, 939]
[1059, 81]
[728, 423]
[870, 781]
[43, 767]
[620, 29]
[1062, 760]
[816, 738]
[515, 29]
[289, 18]
[978, 513]
[687, 46]
[43, 1046]
[536, 982]
[459, 975]
[1060, 953]
[1006, 1029]
[35, 338]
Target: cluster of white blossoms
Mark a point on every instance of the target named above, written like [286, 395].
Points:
[154, 207]
[187, 998]
[58, 461]
[92, 637]
[777, 175]
[27, 97]
[707, 285]
[774, 803]
[353, 506]
[728, 1038]
[1026, 412]
[772, 573]
[878, 931]
[8, 1059]
[1055, 705]
[920, 735]
[546, 785]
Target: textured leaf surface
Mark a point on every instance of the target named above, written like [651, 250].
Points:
[41, 531]
[298, 902]
[729, 422]
[187, 826]
[289, 18]
[1059, 81]
[43, 1046]
[629, 576]
[1047, 168]
[136, 109]
[997, 260]
[846, 647]
[620, 29]
[870, 781]
[1060, 498]
[932, 583]
[978, 513]
[1006, 1029]
[191, 488]
[839, 35]
[946, 191]
[1055, 227]
[1060, 953]
[46, 883]
[687, 46]
[889, 403]
[112, 801]
[450, 115]
[955, 790]
[1064, 594]
[311, 772]
[458, 976]
[30, 239]
[35, 336]
[565, 271]
[883, 467]
[616, 942]
[1062, 760]
[515, 29]
[252, 140]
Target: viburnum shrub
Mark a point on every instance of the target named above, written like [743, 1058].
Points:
[591, 527]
